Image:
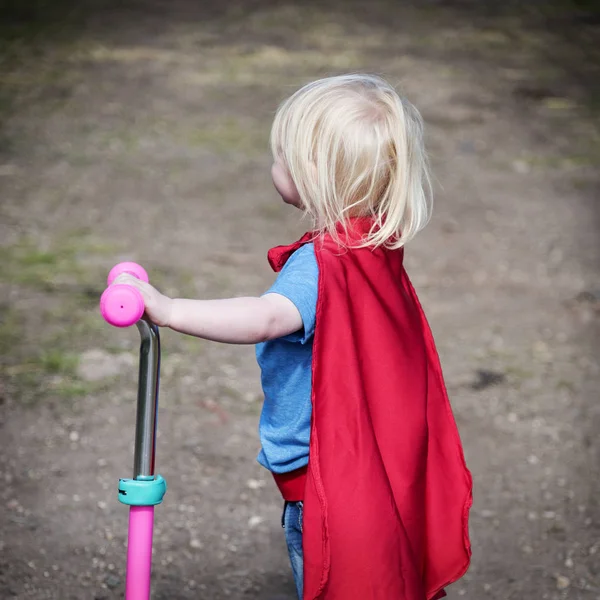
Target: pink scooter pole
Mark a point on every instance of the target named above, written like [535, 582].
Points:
[122, 306]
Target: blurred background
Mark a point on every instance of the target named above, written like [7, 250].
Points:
[138, 130]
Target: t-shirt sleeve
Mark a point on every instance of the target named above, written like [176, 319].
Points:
[299, 282]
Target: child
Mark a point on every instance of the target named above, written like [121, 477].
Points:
[356, 425]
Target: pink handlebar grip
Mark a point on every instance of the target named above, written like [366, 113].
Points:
[122, 305]
[127, 267]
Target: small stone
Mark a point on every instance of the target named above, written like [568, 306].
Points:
[512, 417]
[541, 351]
[112, 581]
[74, 436]
[532, 459]
[76, 498]
[487, 587]
[569, 563]
[101, 462]
[101, 504]
[562, 582]
[255, 484]
[196, 544]
[254, 521]
[527, 549]
[521, 167]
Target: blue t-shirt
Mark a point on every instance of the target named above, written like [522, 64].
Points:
[286, 370]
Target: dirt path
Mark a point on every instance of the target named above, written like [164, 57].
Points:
[141, 133]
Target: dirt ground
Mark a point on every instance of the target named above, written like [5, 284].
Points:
[139, 131]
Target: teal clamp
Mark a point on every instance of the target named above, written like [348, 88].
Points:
[142, 492]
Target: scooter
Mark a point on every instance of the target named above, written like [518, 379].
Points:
[123, 306]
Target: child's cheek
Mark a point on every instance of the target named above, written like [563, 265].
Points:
[284, 185]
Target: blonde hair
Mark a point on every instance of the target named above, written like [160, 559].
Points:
[354, 148]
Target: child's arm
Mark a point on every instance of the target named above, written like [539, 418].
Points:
[234, 320]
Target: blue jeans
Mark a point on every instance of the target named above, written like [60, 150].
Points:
[292, 524]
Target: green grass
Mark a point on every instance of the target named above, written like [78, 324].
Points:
[72, 389]
[58, 361]
[10, 331]
[40, 351]
[60, 265]
[46, 375]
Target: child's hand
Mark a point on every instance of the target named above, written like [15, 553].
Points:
[158, 306]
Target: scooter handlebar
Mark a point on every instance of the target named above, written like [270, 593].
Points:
[122, 305]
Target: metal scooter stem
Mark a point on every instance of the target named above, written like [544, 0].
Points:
[147, 405]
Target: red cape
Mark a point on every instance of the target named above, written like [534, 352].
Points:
[387, 493]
